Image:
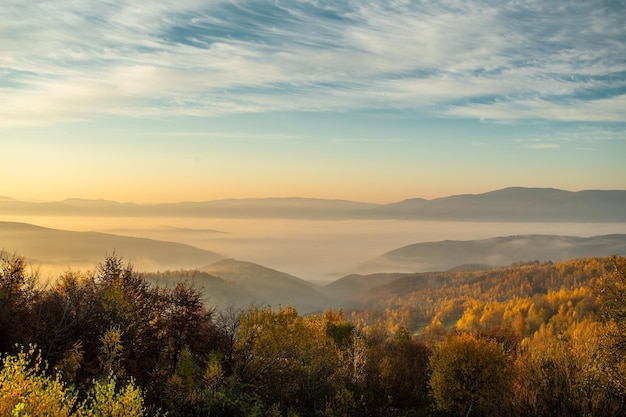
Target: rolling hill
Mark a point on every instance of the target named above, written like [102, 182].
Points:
[218, 292]
[498, 251]
[56, 250]
[269, 286]
[223, 281]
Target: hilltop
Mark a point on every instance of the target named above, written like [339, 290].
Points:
[60, 249]
[497, 251]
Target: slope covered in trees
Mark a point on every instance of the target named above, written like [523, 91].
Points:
[230, 282]
[526, 340]
[448, 296]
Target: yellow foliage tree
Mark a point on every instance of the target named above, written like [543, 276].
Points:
[26, 390]
[107, 400]
[469, 375]
[289, 359]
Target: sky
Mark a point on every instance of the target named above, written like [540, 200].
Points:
[379, 101]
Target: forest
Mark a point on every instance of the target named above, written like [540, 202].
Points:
[530, 339]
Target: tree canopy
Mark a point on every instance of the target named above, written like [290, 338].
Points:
[527, 340]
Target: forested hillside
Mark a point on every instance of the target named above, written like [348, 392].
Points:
[529, 288]
[526, 340]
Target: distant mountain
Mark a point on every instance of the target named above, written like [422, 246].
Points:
[61, 249]
[296, 208]
[498, 251]
[268, 285]
[516, 204]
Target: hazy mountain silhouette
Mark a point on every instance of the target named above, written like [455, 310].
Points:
[498, 251]
[223, 281]
[229, 281]
[516, 204]
[297, 208]
[60, 248]
[269, 286]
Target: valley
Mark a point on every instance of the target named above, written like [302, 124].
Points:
[335, 262]
[226, 299]
[312, 253]
[314, 250]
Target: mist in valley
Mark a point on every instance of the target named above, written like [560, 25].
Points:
[319, 251]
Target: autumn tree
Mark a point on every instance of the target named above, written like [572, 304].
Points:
[288, 359]
[187, 321]
[558, 374]
[390, 373]
[16, 290]
[470, 375]
[62, 320]
[126, 301]
[26, 389]
[612, 296]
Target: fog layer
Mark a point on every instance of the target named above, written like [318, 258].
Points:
[315, 250]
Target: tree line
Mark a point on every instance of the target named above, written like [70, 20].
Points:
[109, 343]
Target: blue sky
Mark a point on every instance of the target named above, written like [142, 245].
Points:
[364, 100]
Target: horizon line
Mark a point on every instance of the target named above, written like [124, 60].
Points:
[106, 200]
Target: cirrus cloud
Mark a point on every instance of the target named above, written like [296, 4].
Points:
[488, 60]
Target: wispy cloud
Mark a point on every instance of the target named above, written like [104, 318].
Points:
[223, 135]
[64, 61]
[579, 137]
[612, 109]
[370, 140]
[542, 146]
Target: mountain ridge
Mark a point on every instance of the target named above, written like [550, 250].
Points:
[496, 251]
[516, 204]
[63, 248]
[521, 204]
[269, 286]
